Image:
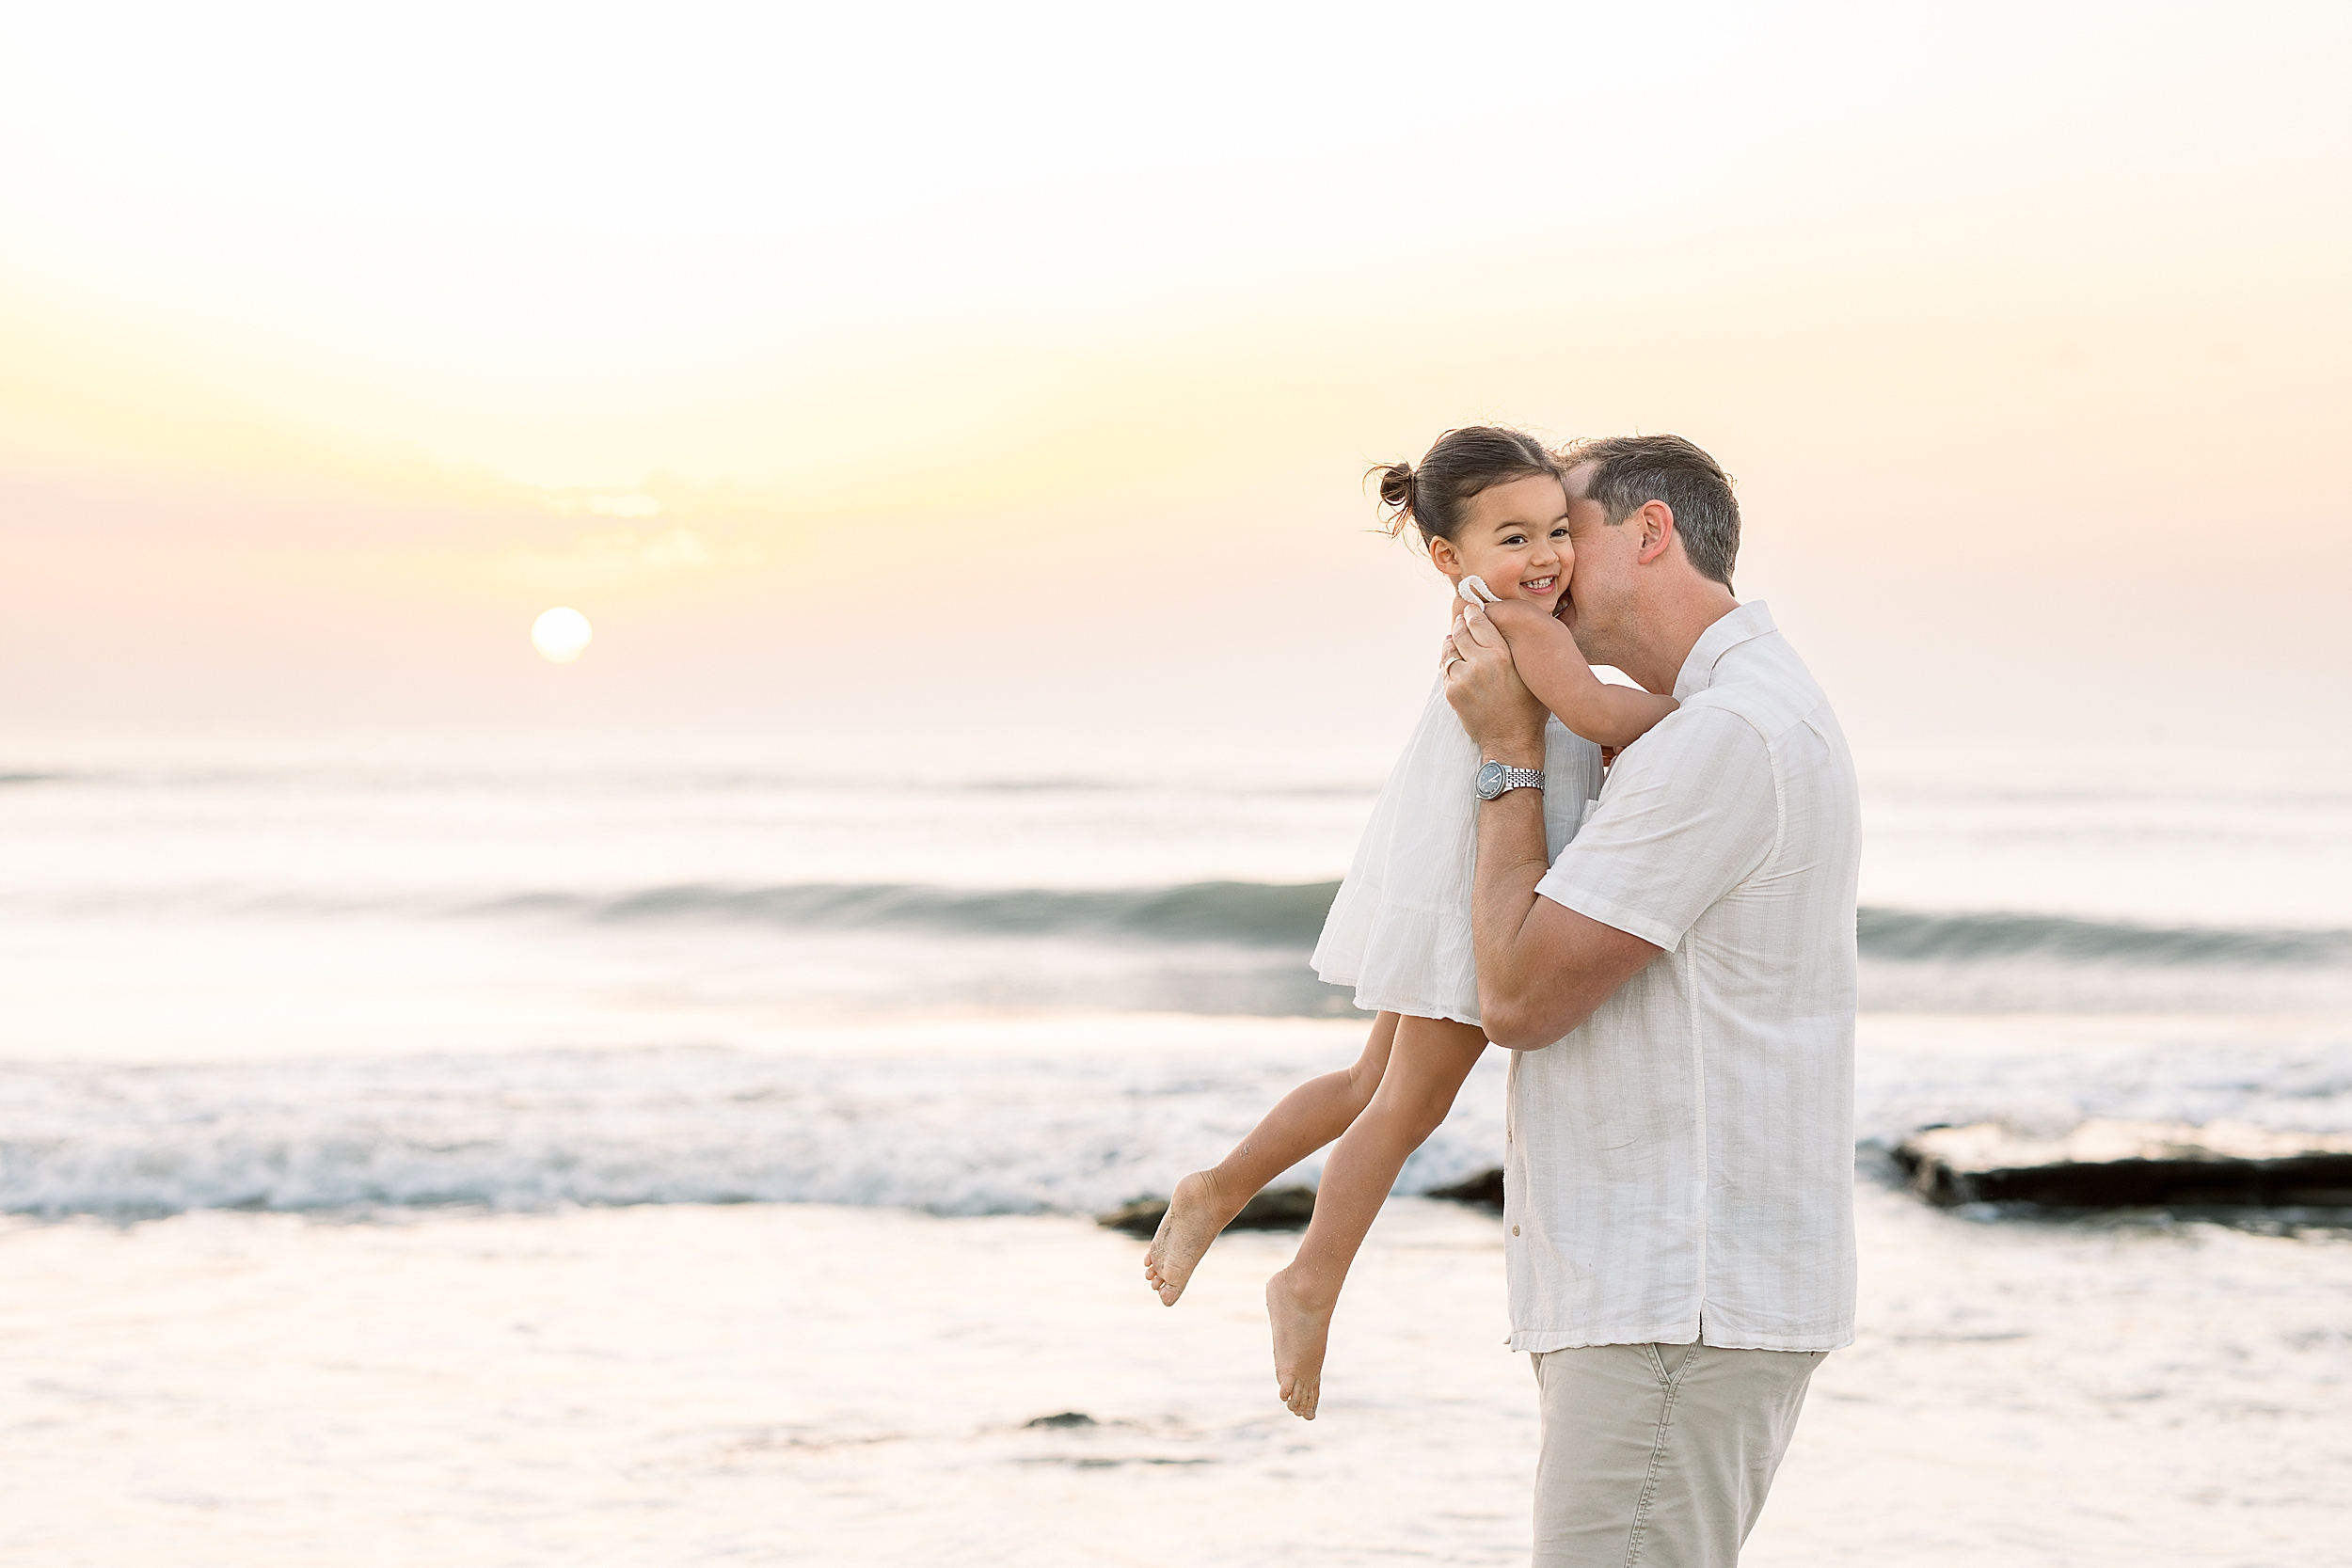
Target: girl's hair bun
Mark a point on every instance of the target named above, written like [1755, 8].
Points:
[1396, 494]
[1397, 485]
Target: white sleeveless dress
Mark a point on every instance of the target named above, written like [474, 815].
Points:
[1400, 929]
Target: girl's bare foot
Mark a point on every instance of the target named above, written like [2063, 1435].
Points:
[1196, 1213]
[1301, 1329]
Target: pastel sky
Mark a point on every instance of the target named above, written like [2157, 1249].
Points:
[1021, 364]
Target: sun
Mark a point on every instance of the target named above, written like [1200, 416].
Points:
[560, 634]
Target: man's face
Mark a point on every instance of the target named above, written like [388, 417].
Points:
[1601, 593]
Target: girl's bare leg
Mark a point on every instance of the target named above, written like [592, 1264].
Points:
[1307, 1118]
[1426, 1067]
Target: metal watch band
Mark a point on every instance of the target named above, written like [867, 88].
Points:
[1496, 780]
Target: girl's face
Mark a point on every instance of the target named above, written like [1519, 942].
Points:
[1513, 536]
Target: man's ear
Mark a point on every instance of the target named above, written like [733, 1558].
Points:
[1658, 530]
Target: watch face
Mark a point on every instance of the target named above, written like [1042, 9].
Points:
[1489, 781]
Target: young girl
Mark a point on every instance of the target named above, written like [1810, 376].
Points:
[1492, 512]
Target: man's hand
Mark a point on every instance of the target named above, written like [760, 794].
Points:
[1502, 716]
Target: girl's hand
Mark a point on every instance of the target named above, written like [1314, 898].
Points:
[1515, 617]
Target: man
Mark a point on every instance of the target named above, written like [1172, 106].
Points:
[1679, 990]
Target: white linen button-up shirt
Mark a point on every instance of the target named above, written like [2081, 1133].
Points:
[1680, 1167]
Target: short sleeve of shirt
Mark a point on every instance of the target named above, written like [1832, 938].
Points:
[1689, 811]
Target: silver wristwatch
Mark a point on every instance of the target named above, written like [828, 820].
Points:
[1494, 779]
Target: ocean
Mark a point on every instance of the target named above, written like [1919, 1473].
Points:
[679, 1153]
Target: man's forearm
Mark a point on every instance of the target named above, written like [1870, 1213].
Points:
[1542, 968]
[1512, 859]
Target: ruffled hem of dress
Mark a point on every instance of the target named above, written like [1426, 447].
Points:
[1415, 1006]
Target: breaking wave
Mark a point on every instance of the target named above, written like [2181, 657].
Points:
[1289, 915]
[1252, 914]
[1900, 934]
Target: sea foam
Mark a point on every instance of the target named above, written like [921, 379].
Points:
[988, 1126]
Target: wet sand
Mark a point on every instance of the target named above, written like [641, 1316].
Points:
[814, 1384]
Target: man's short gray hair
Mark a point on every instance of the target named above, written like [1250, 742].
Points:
[1631, 471]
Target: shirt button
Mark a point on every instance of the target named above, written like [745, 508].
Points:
[1515, 1230]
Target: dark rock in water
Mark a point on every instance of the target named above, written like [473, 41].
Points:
[1276, 1208]
[1485, 1190]
[1139, 1218]
[1067, 1419]
[2130, 1164]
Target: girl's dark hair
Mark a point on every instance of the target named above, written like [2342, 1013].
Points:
[1461, 464]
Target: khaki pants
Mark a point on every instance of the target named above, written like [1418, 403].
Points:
[1659, 1455]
